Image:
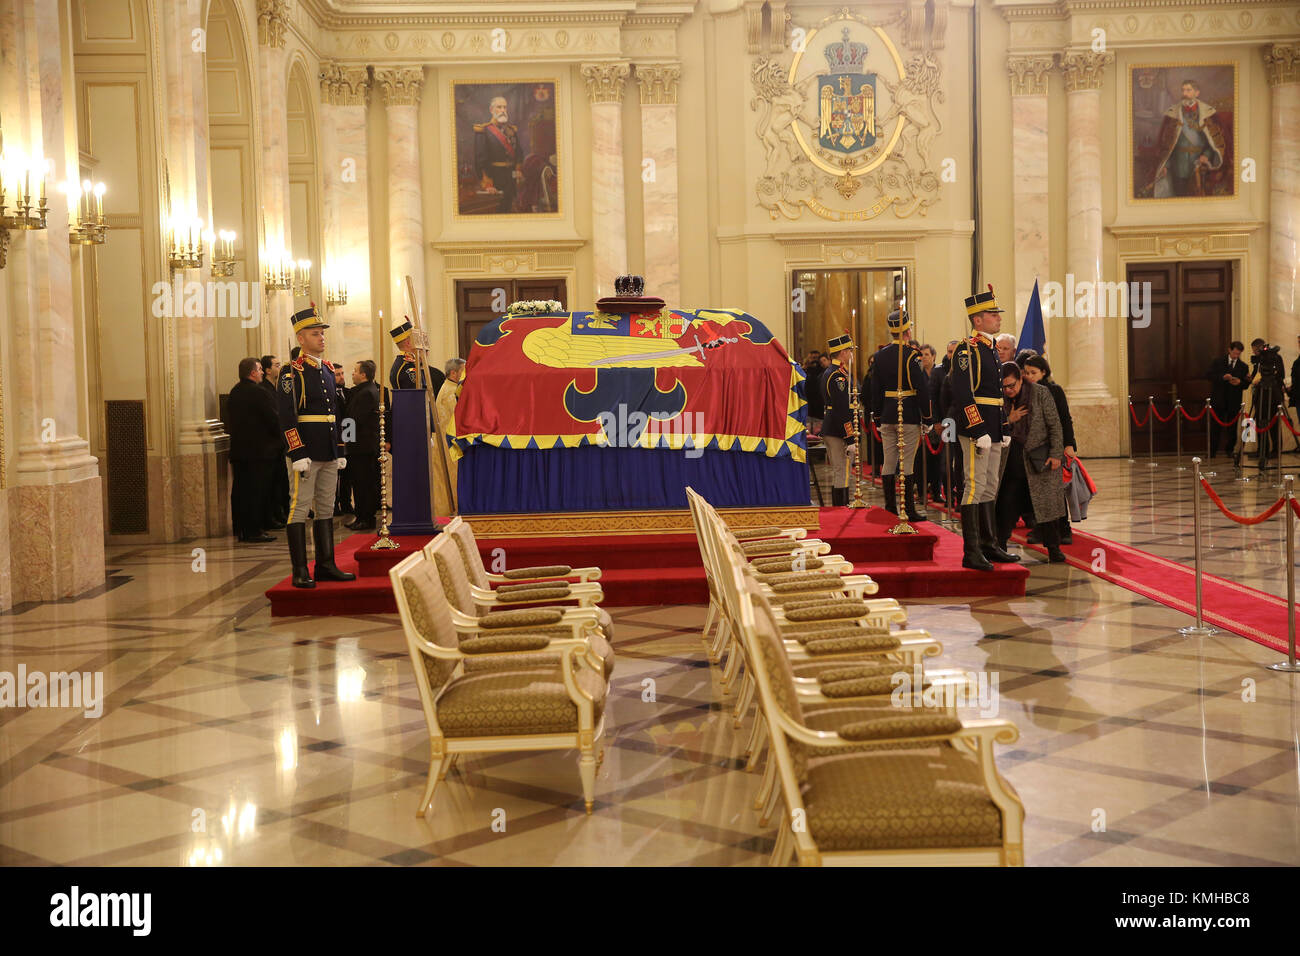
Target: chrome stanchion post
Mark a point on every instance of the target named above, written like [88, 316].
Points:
[1289, 664]
[947, 482]
[1209, 444]
[1277, 448]
[1178, 432]
[1199, 629]
[1151, 431]
[1132, 460]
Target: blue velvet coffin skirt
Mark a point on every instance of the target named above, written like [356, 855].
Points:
[591, 478]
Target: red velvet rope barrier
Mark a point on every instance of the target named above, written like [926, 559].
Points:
[1295, 506]
[1230, 421]
[1156, 412]
[876, 431]
[933, 450]
[1191, 418]
[1262, 516]
[1133, 411]
[1271, 422]
[1286, 420]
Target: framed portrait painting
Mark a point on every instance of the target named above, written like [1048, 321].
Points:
[507, 148]
[1183, 133]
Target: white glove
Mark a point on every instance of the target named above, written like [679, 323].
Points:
[343, 463]
[984, 443]
[302, 465]
[1006, 440]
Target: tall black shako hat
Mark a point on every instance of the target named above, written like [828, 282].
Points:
[981, 302]
[308, 319]
[899, 322]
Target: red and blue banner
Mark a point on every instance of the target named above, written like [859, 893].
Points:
[713, 379]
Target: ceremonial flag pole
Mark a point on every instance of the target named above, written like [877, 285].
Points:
[1032, 334]
[437, 442]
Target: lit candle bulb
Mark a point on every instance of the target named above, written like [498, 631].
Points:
[99, 201]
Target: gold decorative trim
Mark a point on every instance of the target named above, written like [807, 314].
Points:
[1084, 70]
[1029, 74]
[605, 81]
[343, 85]
[401, 86]
[576, 523]
[658, 83]
[1282, 63]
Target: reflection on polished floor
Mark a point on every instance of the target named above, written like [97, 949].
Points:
[231, 738]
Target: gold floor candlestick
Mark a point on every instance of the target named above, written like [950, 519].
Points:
[384, 542]
[855, 409]
[904, 323]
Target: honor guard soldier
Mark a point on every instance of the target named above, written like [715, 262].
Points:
[405, 373]
[309, 417]
[976, 385]
[837, 425]
[886, 393]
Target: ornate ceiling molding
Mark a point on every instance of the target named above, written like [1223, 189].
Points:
[605, 81]
[1038, 28]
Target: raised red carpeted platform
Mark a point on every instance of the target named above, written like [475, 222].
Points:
[666, 569]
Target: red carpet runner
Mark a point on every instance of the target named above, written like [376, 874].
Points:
[1233, 607]
[666, 569]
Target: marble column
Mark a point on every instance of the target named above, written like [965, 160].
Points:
[202, 444]
[273, 94]
[1091, 404]
[344, 174]
[401, 89]
[1282, 62]
[605, 84]
[658, 84]
[52, 512]
[1029, 183]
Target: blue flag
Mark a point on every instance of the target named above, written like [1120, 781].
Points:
[1032, 334]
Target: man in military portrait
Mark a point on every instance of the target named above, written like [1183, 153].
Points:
[497, 160]
[1191, 144]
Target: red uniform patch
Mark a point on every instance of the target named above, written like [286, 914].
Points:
[291, 436]
[973, 416]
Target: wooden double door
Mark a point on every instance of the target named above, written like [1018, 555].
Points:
[480, 302]
[1190, 324]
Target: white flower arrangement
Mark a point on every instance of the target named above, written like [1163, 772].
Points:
[534, 307]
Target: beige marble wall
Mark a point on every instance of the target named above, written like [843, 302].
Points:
[658, 87]
[6, 573]
[605, 85]
[1283, 64]
[273, 93]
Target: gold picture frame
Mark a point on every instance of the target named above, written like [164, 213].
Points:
[542, 183]
[1151, 99]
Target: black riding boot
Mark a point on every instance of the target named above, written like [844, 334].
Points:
[326, 570]
[891, 494]
[297, 535]
[990, 545]
[970, 537]
[1064, 529]
[910, 488]
[1051, 535]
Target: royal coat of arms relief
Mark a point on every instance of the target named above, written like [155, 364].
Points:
[847, 126]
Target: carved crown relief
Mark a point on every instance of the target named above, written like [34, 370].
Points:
[847, 127]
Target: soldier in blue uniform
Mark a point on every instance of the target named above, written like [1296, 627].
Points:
[885, 396]
[837, 424]
[977, 407]
[405, 373]
[310, 414]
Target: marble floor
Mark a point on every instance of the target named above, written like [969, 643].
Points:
[228, 737]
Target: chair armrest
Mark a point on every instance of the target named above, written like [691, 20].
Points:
[771, 531]
[870, 643]
[795, 583]
[497, 643]
[585, 594]
[786, 564]
[845, 610]
[523, 617]
[805, 637]
[525, 574]
[899, 726]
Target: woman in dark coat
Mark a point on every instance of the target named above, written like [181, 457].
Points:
[1027, 490]
[1038, 371]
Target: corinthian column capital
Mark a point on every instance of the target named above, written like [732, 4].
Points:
[658, 83]
[1084, 70]
[272, 17]
[401, 86]
[605, 81]
[1282, 63]
[343, 85]
[1029, 74]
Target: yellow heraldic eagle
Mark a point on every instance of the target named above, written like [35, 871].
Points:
[559, 348]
